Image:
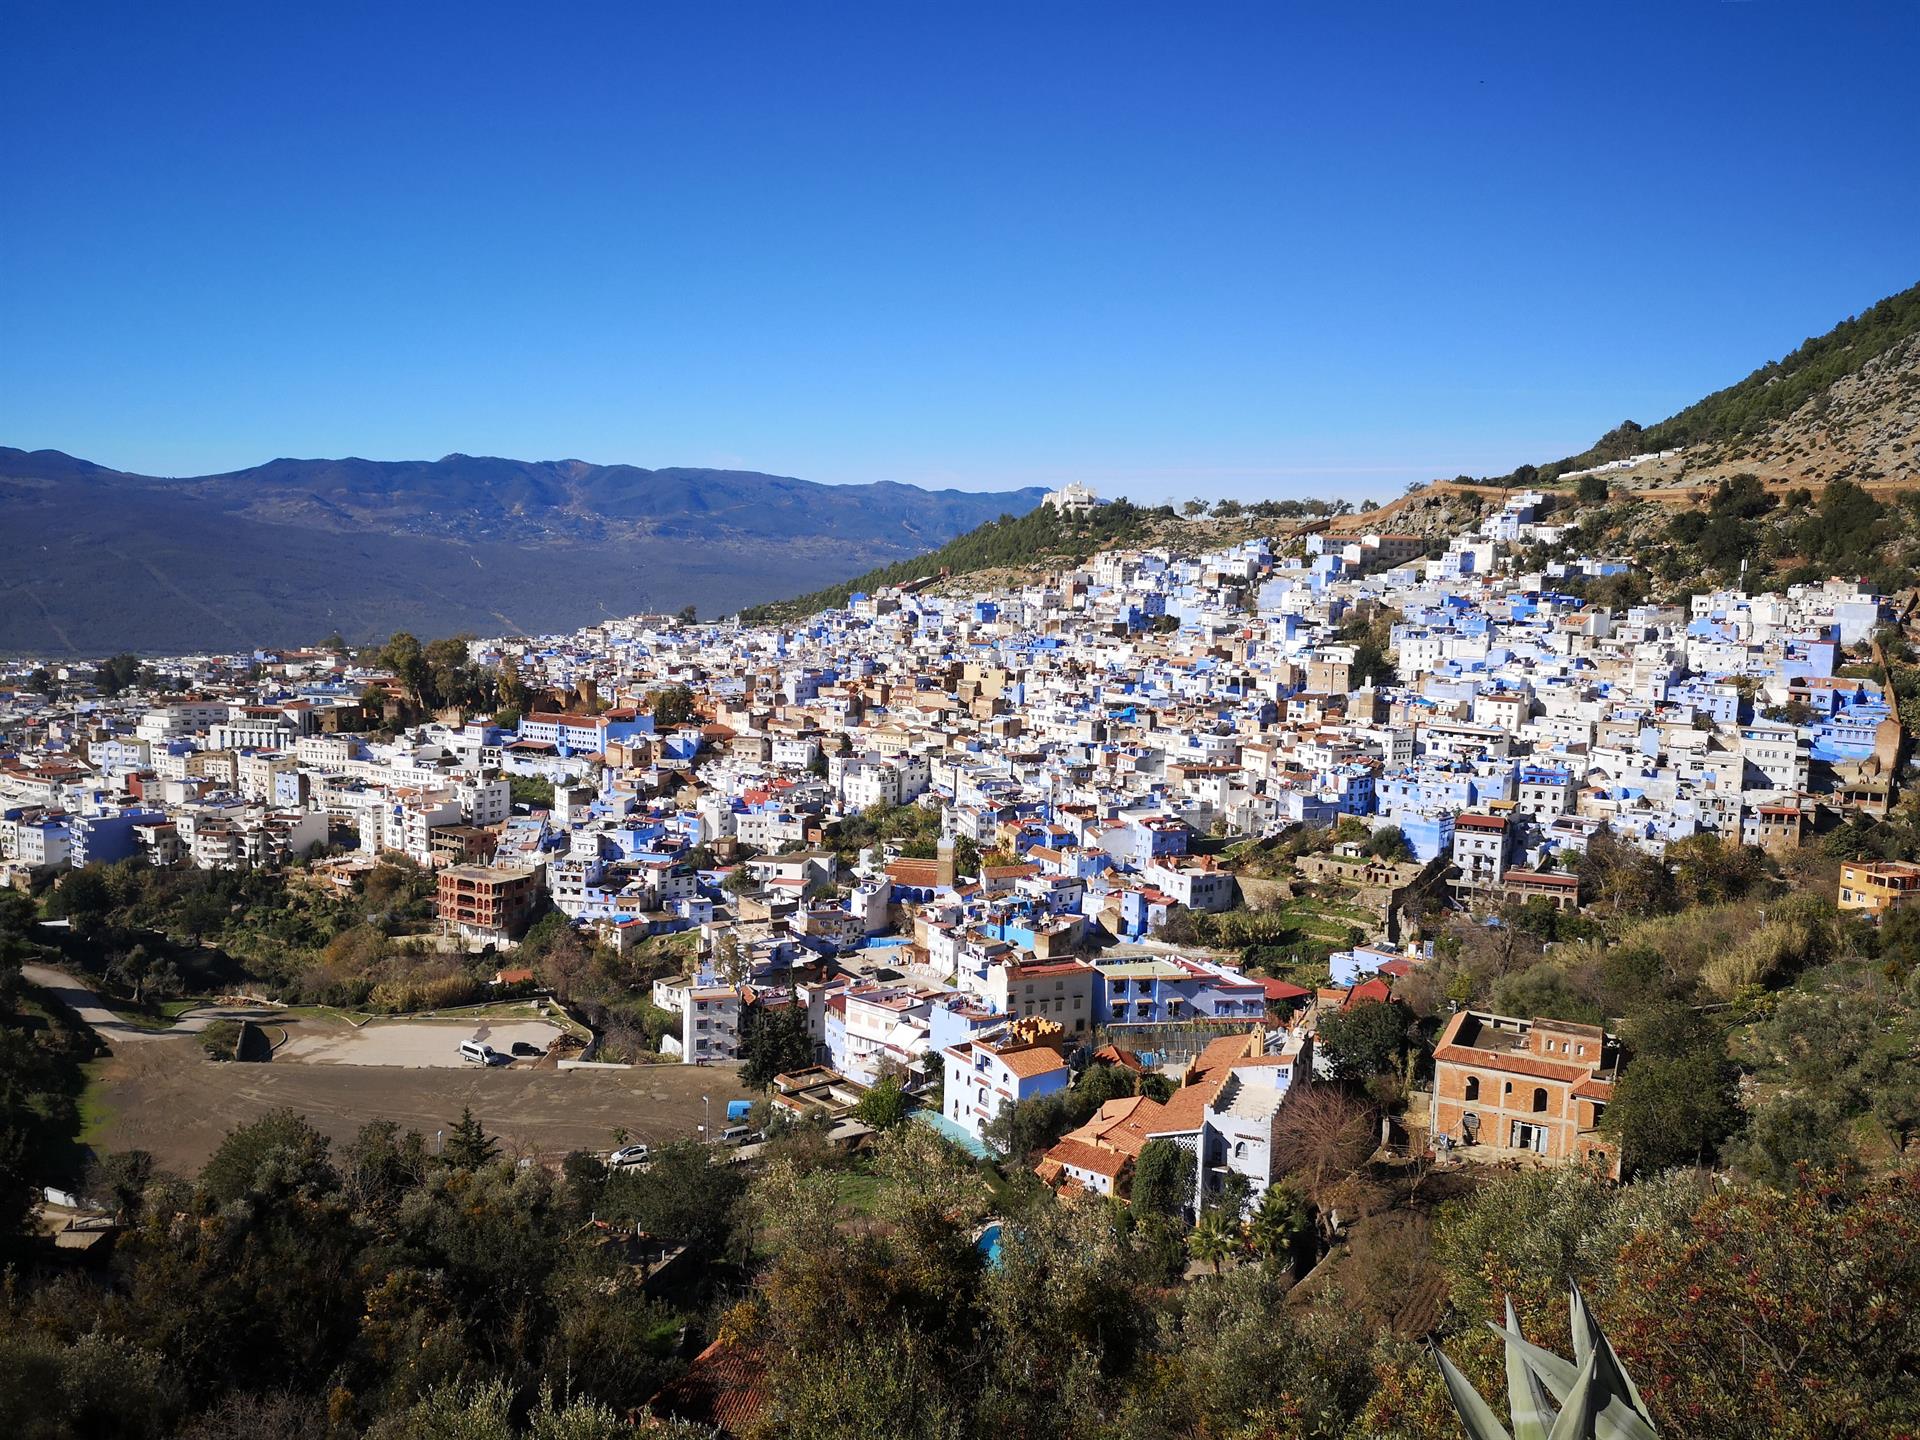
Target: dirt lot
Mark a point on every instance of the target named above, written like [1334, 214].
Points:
[170, 1099]
[411, 1044]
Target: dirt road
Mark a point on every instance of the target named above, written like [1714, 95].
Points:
[85, 1002]
[173, 1101]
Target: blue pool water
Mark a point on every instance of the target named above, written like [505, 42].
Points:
[953, 1132]
[989, 1243]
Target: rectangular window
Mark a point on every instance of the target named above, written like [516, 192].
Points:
[1529, 1137]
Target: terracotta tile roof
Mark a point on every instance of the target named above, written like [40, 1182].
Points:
[1082, 1156]
[1186, 1110]
[721, 1389]
[1040, 1060]
[1372, 989]
[1123, 1125]
[1512, 1062]
[921, 874]
[1541, 877]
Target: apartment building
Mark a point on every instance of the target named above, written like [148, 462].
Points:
[1879, 887]
[488, 905]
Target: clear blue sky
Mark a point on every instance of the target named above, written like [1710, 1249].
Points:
[1176, 249]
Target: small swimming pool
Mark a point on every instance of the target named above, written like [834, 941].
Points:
[989, 1244]
[954, 1133]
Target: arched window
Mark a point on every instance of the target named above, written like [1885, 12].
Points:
[1539, 1098]
[1473, 1087]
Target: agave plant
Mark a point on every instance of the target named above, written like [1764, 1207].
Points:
[1587, 1398]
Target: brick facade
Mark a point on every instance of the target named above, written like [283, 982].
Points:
[1531, 1090]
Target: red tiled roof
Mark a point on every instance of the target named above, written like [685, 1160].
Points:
[1374, 989]
[1187, 1108]
[921, 874]
[1082, 1156]
[1542, 877]
[1040, 1060]
[1512, 1061]
[721, 1389]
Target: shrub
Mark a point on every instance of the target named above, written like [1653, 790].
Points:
[221, 1040]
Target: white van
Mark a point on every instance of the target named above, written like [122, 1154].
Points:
[735, 1135]
[477, 1052]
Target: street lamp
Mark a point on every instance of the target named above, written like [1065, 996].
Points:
[706, 1130]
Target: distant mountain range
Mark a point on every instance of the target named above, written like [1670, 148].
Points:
[102, 560]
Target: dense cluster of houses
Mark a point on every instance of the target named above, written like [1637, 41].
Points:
[1080, 741]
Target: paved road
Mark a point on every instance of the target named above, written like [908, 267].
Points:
[416, 1044]
[85, 1002]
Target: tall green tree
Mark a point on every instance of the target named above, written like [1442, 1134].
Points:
[1676, 1100]
[1162, 1178]
[468, 1146]
[1372, 1038]
[774, 1040]
[884, 1106]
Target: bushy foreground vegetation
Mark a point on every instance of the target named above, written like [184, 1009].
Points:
[385, 1290]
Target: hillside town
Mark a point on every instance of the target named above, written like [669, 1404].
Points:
[969, 836]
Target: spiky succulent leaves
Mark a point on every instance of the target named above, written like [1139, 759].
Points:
[1587, 1335]
[1617, 1420]
[1598, 1401]
[1533, 1413]
[1579, 1420]
[1476, 1416]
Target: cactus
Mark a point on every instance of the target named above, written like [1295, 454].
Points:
[1595, 1399]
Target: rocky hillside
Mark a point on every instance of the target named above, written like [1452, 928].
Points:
[1843, 406]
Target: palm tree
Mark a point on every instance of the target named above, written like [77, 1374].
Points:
[1278, 1224]
[1211, 1240]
